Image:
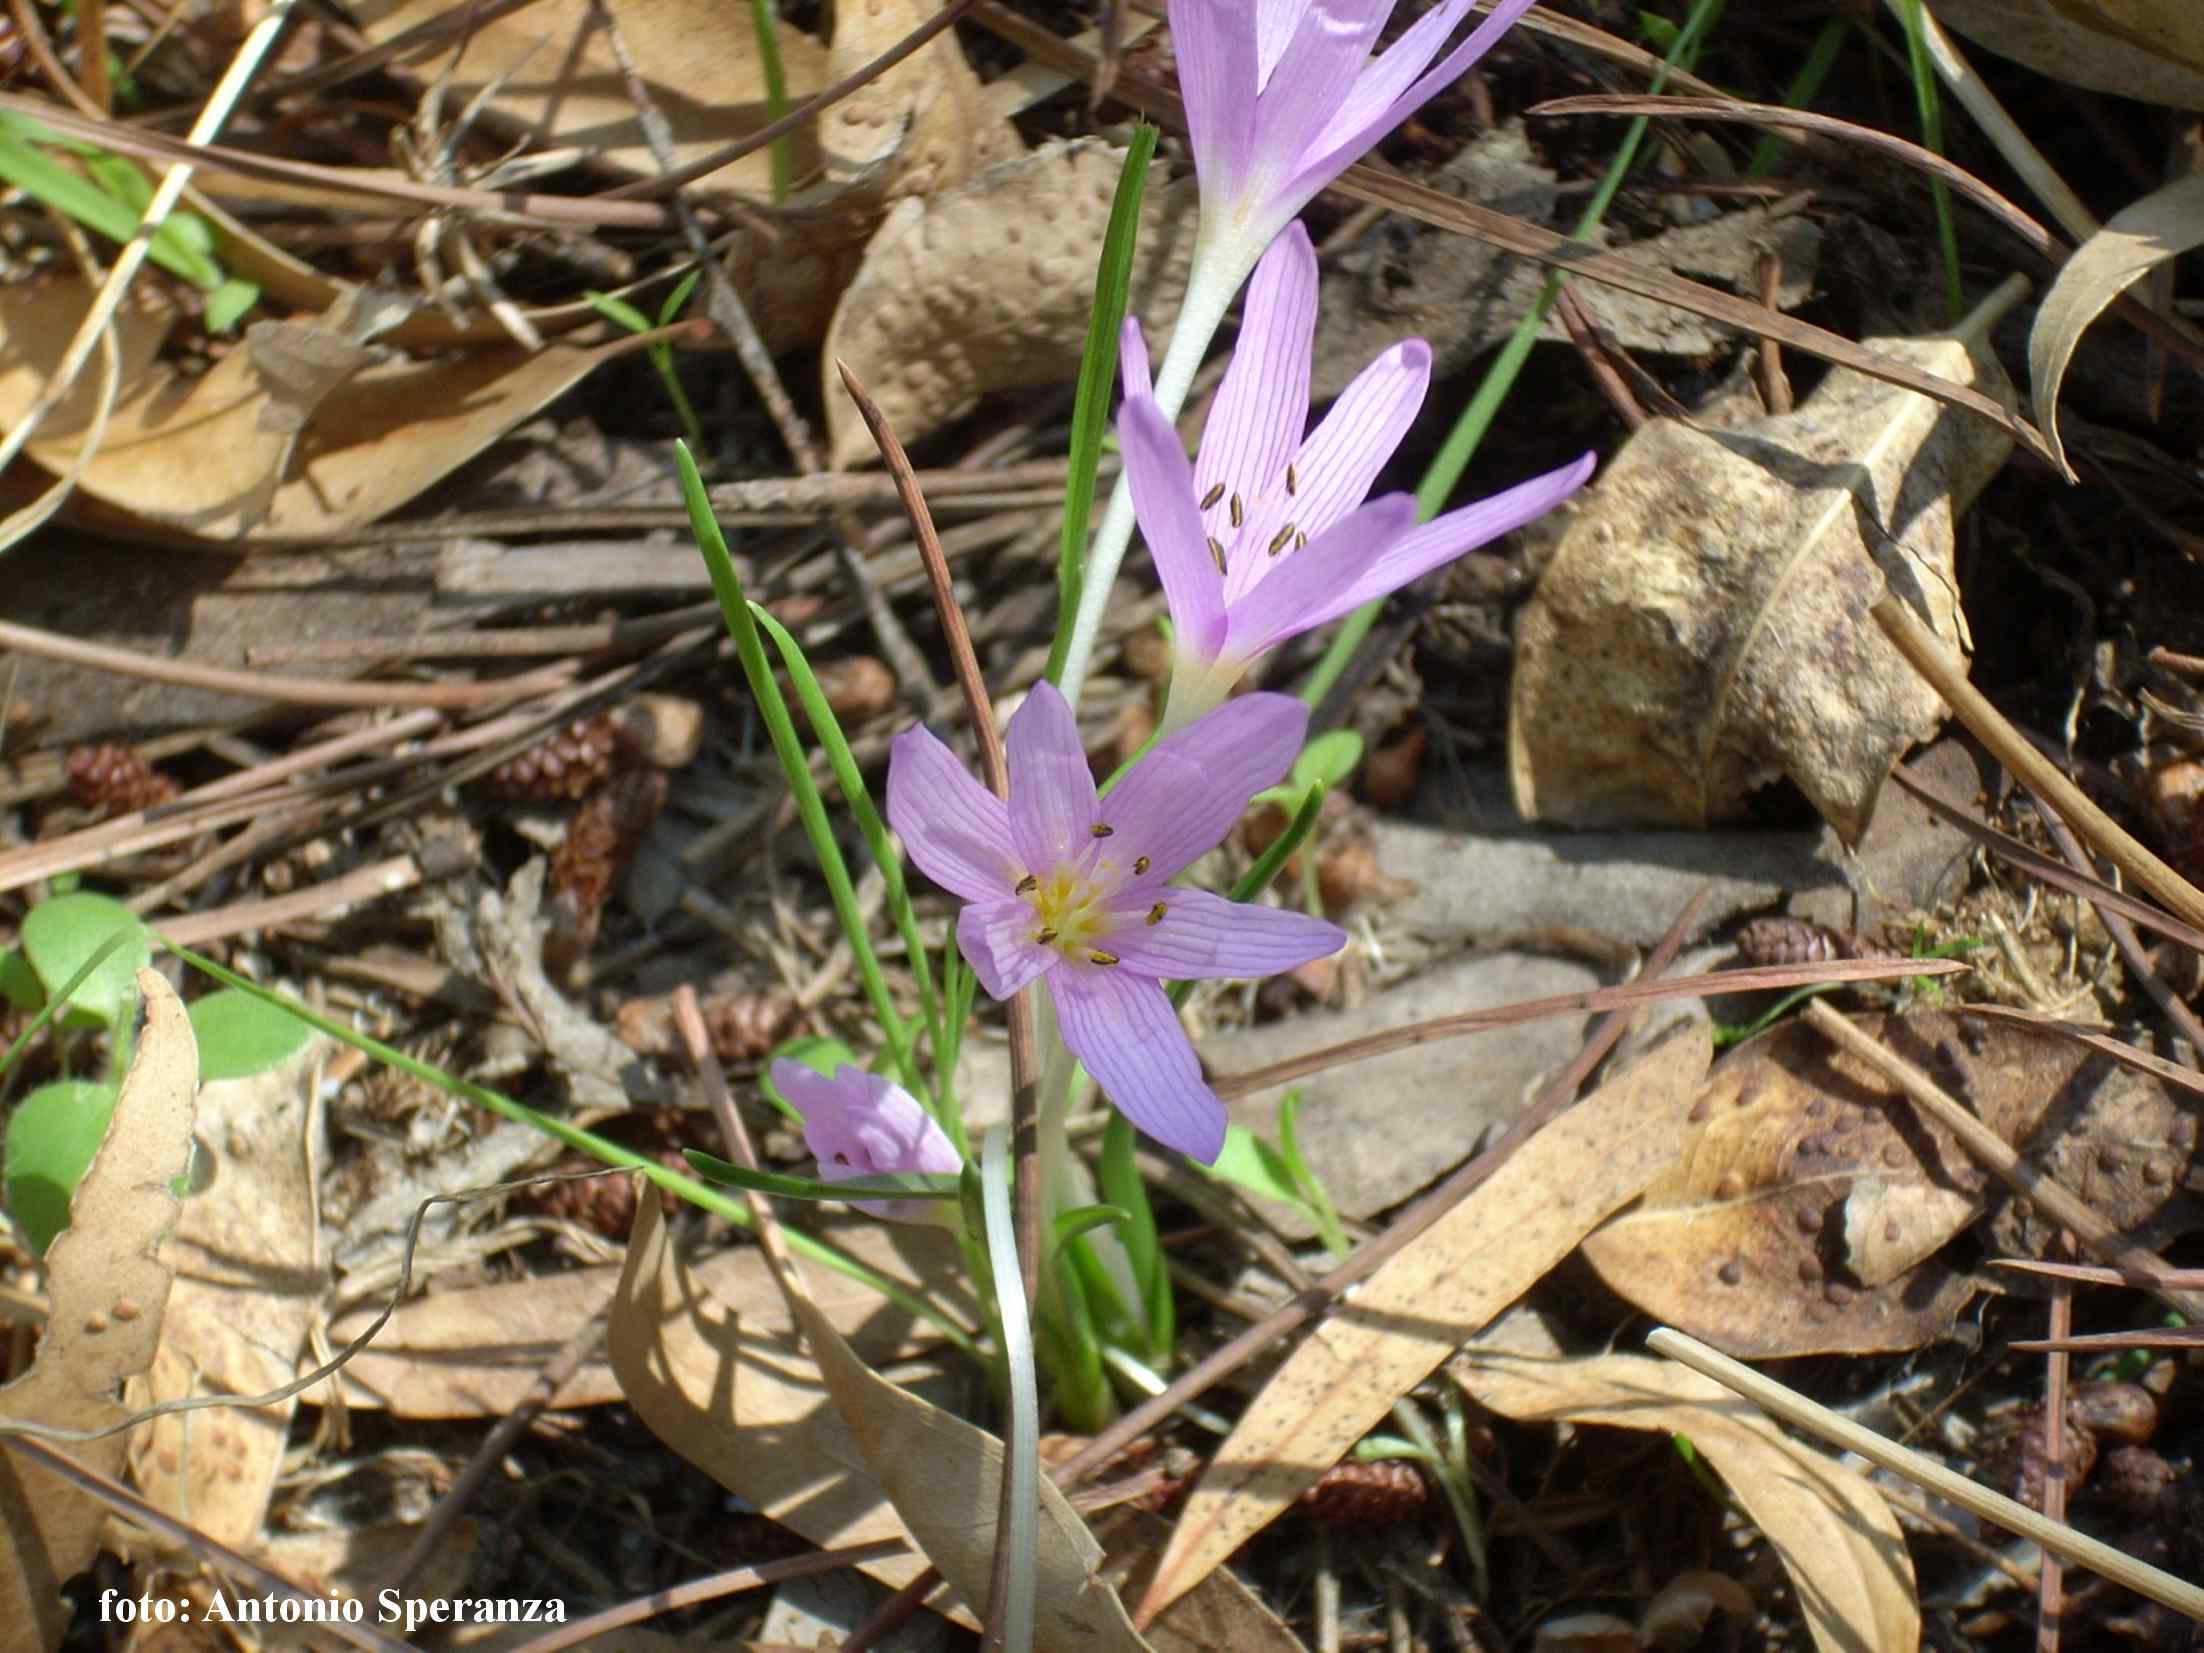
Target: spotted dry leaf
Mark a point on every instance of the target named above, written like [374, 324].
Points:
[1811, 1201]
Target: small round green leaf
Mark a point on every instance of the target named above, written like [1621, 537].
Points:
[240, 1035]
[19, 982]
[1328, 760]
[62, 935]
[52, 1137]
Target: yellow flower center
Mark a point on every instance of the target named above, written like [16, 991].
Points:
[1067, 912]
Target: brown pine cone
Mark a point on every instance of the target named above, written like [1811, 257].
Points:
[566, 765]
[1379, 1494]
[603, 838]
[113, 780]
[743, 1027]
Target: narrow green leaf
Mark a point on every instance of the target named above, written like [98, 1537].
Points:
[1328, 760]
[1081, 1218]
[893, 1185]
[810, 808]
[1122, 1186]
[1090, 415]
[1249, 1162]
[617, 311]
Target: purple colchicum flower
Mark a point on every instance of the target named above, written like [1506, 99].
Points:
[1266, 534]
[1282, 96]
[861, 1125]
[1078, 889]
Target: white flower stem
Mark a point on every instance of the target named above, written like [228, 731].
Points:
[1210, 290]
[1011, 1613]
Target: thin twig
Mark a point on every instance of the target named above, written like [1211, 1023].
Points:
[2097, 1234]
[2123, 936]
[2050, 1591]
[1795, 1409]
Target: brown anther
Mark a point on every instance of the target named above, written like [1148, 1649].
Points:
[1300, 541]
[1027, 885]
[1155, 913]
[1102, 958]
[1216, 550]
[1210, 498]
[1279, 540]
[1045, 937]
[1101, 831]
[1293, 481]
[1140, 865]
[1239, 512]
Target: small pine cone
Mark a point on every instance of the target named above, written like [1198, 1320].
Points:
[1783, 940]
[598, 846]
[1367, 1495]
[113, 780]
[742, 1027]
[603, 1204]
[566, 765]
[2137, 1480]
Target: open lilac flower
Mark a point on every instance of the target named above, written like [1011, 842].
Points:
[861, 1125]
[1063, 884]
[1266, 534]
[1282, 96]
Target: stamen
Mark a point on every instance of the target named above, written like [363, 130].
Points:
[1046, 937]
[1278, 540]
[1216, 550]
[1027, 885]
[1102, 958]
[1101, 831]
[1300, 542]
[1140, 865]
[1239, 512]
[1210, 498]
[1293, 480]
[1155, 913]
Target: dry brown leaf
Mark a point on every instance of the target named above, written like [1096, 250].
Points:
[477, 1352]
[1218, 1615]
[1702, 627]
[1408, 1316]
[989, 286]
[108, 1287]
[921, 128]
[247, 1290]
[2140, 237]
[2147, 49]
[222, 456]
[1804, 1213]
[746, 1407]
[944, 1477]
[561, 83]
[1837, 1538]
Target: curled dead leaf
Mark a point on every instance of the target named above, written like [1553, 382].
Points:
[988, 287]
[2163, 224]
[1703, 628]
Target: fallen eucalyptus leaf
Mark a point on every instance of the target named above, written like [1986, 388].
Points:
[988, 286]
[1404, 1320]
[1835, 1535]
[1702, 626]
[108, 1288]
[2163, 224]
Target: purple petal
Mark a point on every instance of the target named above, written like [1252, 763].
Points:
[1219, 72]
[1340, 460]
[1388, 75]
[1182, 798]
[1201, 936]
[1263, 405]
[1311, 80]
[1132, 361]
[1051, 787]
[1319, 582]
[1346, 138]
[1444, 538]
[1126, 1032]
[996, 938]
[1164, 504]
[861, 1125]
[957, 832]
